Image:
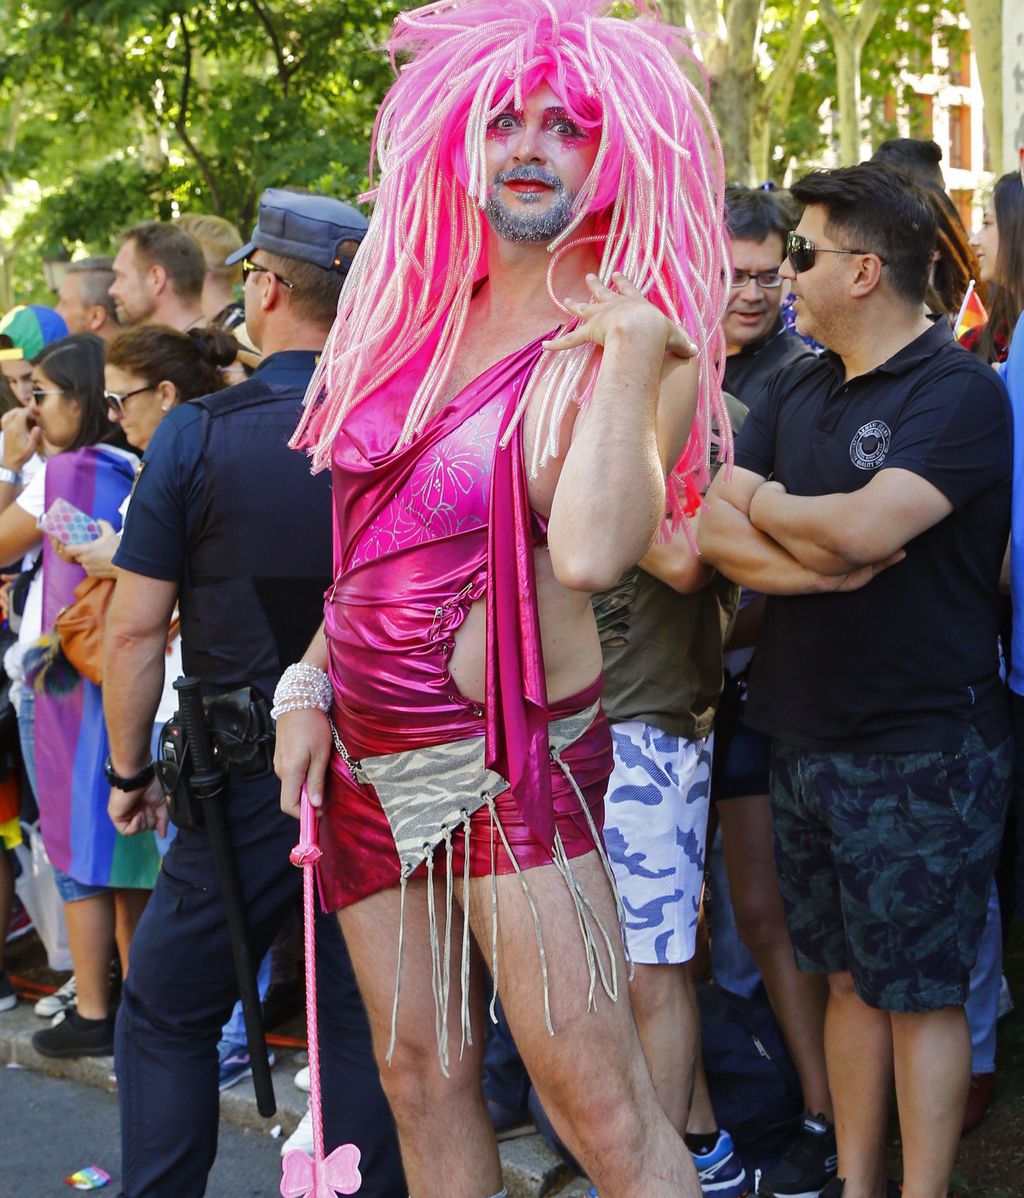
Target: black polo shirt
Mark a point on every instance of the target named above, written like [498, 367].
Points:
[750, 371]
[905, 663]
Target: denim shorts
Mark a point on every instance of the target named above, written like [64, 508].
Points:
[742, 755]
[885, 862]
[71, 891]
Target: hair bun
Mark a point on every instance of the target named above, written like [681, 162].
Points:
[215, 346]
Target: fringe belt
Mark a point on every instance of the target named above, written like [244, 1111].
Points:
[430, 794]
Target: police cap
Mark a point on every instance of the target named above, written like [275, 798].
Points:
[311, 228]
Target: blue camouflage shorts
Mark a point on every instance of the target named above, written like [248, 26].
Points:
[655, 824]
[885, 861]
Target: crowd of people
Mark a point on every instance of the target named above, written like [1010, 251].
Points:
[715, 557]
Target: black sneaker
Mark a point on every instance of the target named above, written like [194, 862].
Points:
[8, 999]
[834, 1189]
[71, 1036]
[808, 1165]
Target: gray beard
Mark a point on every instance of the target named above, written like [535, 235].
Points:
[522, 225]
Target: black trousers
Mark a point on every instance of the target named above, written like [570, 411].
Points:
[181, 987]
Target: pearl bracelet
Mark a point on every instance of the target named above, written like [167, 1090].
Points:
[302, 687]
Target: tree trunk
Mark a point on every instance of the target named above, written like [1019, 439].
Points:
[986, 17]
[730, 32]
[848, 99]
[732, 101]
[848, 40]
[772, 108]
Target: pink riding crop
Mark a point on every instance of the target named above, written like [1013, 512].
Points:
[338, 1173]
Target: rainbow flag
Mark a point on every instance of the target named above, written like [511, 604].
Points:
[972, 314]
[70, 735]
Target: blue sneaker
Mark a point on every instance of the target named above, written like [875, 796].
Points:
[721, 1171]
[234, 1064]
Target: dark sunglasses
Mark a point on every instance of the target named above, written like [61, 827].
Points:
[116, 401]
[249, 267]
[801, 252]
[767, 280]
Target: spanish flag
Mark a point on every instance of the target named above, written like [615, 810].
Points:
[972, 313]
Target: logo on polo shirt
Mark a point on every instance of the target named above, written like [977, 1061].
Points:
[870, 444]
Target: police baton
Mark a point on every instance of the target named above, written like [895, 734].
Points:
[208, 784]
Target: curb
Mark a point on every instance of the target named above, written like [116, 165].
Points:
[530, 1168]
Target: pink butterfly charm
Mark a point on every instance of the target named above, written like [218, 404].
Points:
[336, 1174]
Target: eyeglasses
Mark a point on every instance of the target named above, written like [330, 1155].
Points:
[801, 252]
[116, 401]
[249, 267]
[38, 394]
[767, 280]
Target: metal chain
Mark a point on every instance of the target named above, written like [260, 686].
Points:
[343, 752]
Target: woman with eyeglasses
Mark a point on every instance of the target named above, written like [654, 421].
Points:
[103, 879]
[999, 244]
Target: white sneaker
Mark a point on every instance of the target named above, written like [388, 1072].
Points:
[302, 1079]
[301, 1137]
[58, 1002]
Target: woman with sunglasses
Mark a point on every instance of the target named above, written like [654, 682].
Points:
[103, 879]
[999, 244]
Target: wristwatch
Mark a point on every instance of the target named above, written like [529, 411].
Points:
[135, 782]
[9, 476]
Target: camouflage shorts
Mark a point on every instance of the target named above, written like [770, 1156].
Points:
[885, 861]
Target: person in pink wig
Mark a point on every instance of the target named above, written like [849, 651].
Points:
[515, 398]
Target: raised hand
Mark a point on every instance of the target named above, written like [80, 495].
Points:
[619, 309]
[22, 437]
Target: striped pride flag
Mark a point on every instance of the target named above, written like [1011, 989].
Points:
[972, 314]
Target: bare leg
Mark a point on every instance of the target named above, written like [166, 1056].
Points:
[932, 1052]
[6, 899]
[798, 999]
[591, 1074]
[91, 940]
[858, 1045]
[702, 1120]
[665, 1009]
[128, 908]
[448, 1145]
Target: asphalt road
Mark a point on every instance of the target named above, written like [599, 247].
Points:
[53, 1127]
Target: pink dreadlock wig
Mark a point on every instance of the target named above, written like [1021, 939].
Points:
[655, 194]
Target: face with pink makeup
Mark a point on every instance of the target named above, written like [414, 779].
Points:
[537, 161]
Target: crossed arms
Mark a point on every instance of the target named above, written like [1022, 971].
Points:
[759, 535]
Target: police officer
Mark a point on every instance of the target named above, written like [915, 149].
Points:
[227, 521]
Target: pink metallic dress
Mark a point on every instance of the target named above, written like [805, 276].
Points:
[421, 533]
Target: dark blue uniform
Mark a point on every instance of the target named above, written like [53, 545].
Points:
[225, 509]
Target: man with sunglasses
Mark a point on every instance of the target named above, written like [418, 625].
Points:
[229, 522]
[870, 501]
[757, 342]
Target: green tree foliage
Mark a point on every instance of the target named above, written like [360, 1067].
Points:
[900, 44]
[118, 110]
[113, 111]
